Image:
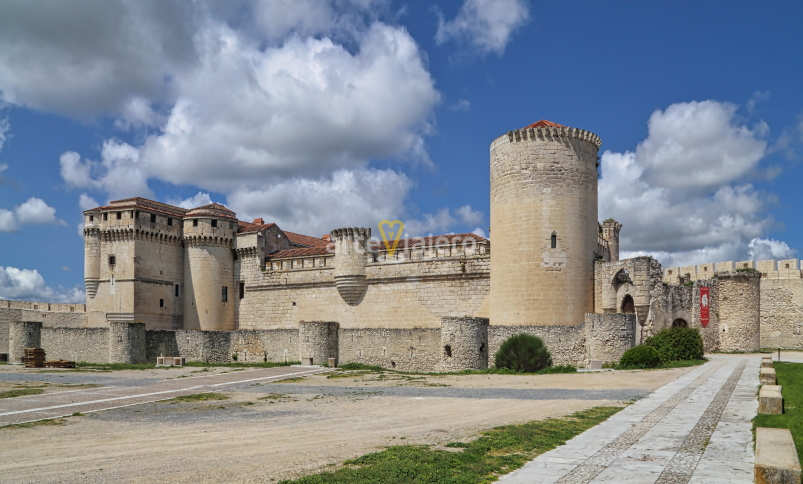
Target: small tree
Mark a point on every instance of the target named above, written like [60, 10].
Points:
[523, 353]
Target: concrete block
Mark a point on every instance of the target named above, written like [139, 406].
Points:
[596, 365]
[767, 376]
[332, 362]
[306, 361]
[770, 400]
[766, 362]
[776, 457]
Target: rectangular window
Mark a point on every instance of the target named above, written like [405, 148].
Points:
[112, 260]
[214, 223]
[178, 292]
[169, 221]
[105, 217]
[153, 218]
[225, 294]
[161, 303]
[91, 218]
[195, 222]
[119, 215]
[242, 290]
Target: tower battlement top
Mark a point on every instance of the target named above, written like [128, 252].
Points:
[545, 130]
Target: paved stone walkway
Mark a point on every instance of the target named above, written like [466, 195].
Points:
[694, 430]
[61, 404]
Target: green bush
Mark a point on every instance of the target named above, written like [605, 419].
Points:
[677, 344]
[523, 353]
[640, 357]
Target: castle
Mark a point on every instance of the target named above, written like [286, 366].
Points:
[199, 283]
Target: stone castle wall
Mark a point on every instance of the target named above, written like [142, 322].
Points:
[739, 311]
[472, 343]
[76, 344]
[399, 349]
[608, 336]
[401, 293]
[567, 344]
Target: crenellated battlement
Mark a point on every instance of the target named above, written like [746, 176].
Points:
[769, 269]
[352, 233]
[552, 132]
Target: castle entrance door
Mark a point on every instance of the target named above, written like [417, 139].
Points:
[628, 306]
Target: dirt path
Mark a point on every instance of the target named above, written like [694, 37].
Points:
[261, 436]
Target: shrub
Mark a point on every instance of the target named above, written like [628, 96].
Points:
[523, 353]
[677, 344]
[640, 357]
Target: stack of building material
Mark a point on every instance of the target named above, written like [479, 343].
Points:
[60, 364]
[34, 358]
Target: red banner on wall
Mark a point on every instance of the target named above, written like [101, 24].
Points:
[705, 302]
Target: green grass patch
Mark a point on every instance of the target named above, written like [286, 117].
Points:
[37, 423]
[200, 397]
[19, 392]
[499, 451]
[790, 376]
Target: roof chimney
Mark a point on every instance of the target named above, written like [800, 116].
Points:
[327, 238]
[259, 221]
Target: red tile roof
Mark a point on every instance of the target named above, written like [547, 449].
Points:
[302, 252]
[545, 124]
[299, 239]
[246, 227]
[430, 241]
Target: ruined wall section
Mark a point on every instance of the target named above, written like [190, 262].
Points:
[608, 336]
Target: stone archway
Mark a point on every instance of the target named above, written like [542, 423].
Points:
[680, 323]
[628, 305]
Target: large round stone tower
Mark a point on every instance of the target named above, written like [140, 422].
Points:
[209, 268]
[544, 225]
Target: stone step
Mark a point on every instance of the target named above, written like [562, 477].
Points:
[770, 400]
[776, 457]
[767, 376]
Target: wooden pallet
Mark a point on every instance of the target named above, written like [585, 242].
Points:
[33, 357]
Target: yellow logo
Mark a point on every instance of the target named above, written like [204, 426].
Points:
[391, 234]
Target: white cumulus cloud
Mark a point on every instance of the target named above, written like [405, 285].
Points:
[29, 285]
[683, 195]
[33, 211]
[486, 25]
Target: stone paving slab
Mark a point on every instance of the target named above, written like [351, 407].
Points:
[696, 429]
[60, 404]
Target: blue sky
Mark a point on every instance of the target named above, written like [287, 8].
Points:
[320, 114]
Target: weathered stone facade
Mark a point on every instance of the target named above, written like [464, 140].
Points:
[544, 224]
[739, 310]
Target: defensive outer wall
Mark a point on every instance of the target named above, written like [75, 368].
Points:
[460, 343]
[777, 298]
